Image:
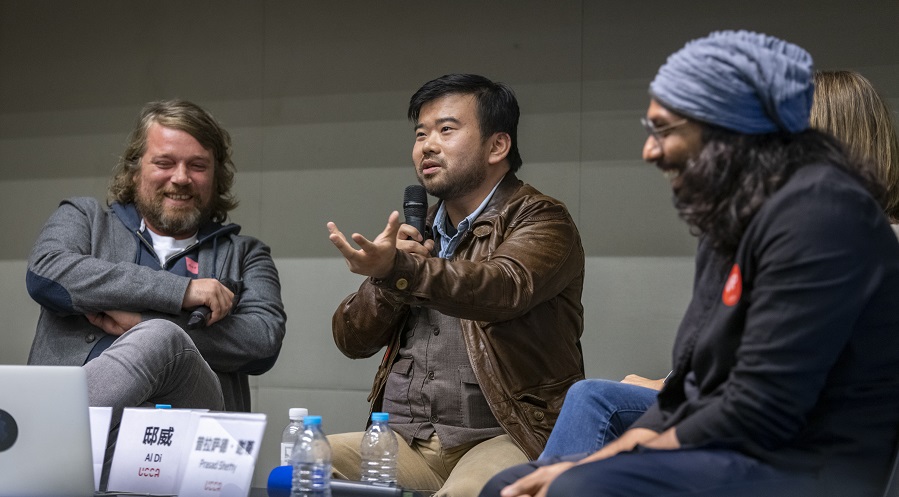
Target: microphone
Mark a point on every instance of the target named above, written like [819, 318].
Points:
[415, 208]
[281, 478]
[199, 318]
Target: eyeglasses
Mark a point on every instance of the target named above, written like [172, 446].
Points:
[661, 132]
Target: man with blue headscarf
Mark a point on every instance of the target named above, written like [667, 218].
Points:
[785, 366]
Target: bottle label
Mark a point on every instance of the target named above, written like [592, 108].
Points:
[318, 476]
[286, 449]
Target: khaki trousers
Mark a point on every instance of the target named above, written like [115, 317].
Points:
[426, 465]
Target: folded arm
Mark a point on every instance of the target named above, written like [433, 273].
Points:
[65, 275]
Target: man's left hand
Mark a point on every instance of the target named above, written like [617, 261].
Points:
[114, 322]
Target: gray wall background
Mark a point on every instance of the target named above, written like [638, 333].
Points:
[315, 95]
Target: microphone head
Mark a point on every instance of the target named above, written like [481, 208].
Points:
[415, 201]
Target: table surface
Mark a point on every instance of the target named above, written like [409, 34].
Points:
[262, 492]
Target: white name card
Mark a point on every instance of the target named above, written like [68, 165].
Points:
[149, 449]
[222, 455]
[100, 418]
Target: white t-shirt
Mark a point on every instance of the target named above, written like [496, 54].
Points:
[166, 246]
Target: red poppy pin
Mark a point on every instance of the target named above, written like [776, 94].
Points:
[733, 288]
[192, 266]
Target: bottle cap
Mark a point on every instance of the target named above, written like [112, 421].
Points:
[312, 420]
[379, 417]
[297, 413]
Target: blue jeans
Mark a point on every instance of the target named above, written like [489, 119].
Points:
[596, 412]
[675, 473]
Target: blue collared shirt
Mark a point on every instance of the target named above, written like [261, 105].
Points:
[447, 242]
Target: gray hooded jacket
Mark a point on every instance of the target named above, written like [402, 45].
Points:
[87, 258]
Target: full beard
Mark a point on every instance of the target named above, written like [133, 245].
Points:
[676, 173]
[174, 221]
[456, 184]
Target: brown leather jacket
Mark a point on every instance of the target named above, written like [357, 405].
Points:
[515, 282]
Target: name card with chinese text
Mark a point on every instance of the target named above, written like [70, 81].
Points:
[149, 449]
[222, 455]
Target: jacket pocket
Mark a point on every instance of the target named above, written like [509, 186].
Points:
[540, 406]
[396, 392]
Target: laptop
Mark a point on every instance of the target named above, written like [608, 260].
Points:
[45, 444]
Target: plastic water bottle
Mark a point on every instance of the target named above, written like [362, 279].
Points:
[311, 461]
[289, 436]
[379, 449]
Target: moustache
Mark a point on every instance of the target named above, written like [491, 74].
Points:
[178, 191]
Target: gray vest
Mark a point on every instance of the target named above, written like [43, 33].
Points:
[431, 386]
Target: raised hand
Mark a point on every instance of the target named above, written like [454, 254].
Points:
[374, 258]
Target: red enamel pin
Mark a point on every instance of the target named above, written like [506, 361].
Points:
[733, 288]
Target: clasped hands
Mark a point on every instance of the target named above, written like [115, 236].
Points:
[206, 291]
[376, 258]
[537, 483]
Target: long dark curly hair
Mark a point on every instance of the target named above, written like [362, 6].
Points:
[721, 190]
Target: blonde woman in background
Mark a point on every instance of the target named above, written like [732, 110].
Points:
[847, 106]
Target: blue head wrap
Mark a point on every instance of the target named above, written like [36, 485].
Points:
[742, 81]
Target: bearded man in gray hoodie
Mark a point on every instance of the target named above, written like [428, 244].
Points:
[117, 284]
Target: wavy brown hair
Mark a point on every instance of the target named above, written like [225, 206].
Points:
[847, 106]
[193, 120]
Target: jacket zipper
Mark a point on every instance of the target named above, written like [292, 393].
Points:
[175, 256]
